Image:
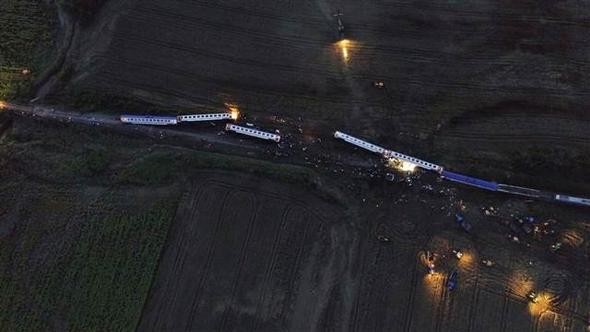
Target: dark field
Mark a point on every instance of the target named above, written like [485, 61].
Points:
[100, 231]
[442, 61]
[241, 257]
[253, 255]
[103, 239]
[485, 86]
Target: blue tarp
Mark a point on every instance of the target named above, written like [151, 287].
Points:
[470, 181]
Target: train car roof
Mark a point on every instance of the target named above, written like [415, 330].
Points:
[148, 117]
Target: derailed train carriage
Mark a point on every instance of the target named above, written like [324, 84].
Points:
[572, 199]
[253, 132]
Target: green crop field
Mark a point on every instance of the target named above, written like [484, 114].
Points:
[26, 34]
[97, 282]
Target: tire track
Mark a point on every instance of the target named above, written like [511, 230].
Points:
[186, 21]
[412, 297]
[296, 267]
[367, 278]
[444, 302]
[247, 11]
[253, 203]
[474, 305]
[107, 78]
[520, 299]
[414, 54]
[505, 299]
[193, 21]
[194, 51]
[179, 259]
[270, 267]
[477, 115]
[355, 310]
[281, 197]
[262, 91]
[210, 253]
[512, 138]
[265, 90]
[434, 56]
[516, 17]
[536, 323]
[413, 6]
[268, 91]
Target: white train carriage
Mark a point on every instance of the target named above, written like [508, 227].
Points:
[252, 132]
[387, 153]
[572, 199]
[359, 142]
[149, 120]
[418, 162]
[204, 117]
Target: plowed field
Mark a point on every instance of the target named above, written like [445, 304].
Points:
[441, 61]
[238, 258]
[252, 255]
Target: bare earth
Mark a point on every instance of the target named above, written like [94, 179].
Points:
[469, 84]
[249, 254]
[249, 259]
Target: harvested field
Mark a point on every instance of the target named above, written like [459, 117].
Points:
[242, 258]
[486, 85]
[494, 88]
[248, 254]
[456, 72]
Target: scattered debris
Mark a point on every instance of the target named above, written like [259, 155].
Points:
[379, 84]
[488, 262]
[490, 211]
[383, 238]
[513, 238]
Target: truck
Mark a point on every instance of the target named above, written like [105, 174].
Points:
[460, 220]
[452, 280]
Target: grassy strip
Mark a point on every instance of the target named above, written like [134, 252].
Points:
[162, 167]
[165, 167]
[26, 28]
[99, 284]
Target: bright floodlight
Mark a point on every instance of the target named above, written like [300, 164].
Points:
[401, 165]
[343, 44]
[235, 113]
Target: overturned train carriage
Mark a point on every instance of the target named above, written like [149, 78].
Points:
[253, 132]
[387, 153]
